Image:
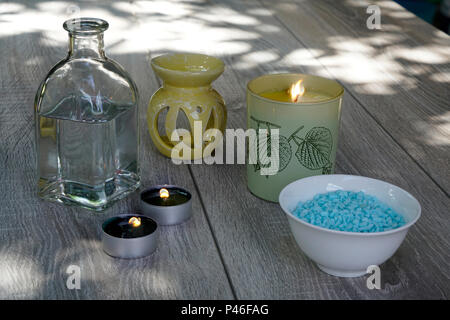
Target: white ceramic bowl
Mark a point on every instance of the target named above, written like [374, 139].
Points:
[347, 254]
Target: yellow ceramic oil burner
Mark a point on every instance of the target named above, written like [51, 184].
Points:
[186, 88]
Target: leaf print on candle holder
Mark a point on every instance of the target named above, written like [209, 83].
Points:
[313, 151]
[285, 151]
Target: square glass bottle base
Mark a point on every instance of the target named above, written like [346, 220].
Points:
[96, 198]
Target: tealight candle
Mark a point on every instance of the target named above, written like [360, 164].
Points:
[129, 236]
[167, 204]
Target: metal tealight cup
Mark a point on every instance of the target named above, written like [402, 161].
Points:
[130, 248]
[167, 215]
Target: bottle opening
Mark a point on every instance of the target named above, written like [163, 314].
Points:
[85, 26]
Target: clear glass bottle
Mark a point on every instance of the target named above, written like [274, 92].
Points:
[87, 133]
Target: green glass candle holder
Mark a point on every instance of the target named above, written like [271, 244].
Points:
[308, 129]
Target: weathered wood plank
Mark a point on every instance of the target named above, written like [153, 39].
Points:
[253, 235]
[39, 240]
[399, 73]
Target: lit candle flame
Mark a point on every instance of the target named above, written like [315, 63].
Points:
[164, 193]
[296, 91]
[135, 221]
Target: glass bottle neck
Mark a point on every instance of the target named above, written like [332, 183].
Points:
[86, 46]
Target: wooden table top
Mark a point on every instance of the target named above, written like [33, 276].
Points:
[395, 126]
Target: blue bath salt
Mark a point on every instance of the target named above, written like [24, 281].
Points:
[349, 211]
